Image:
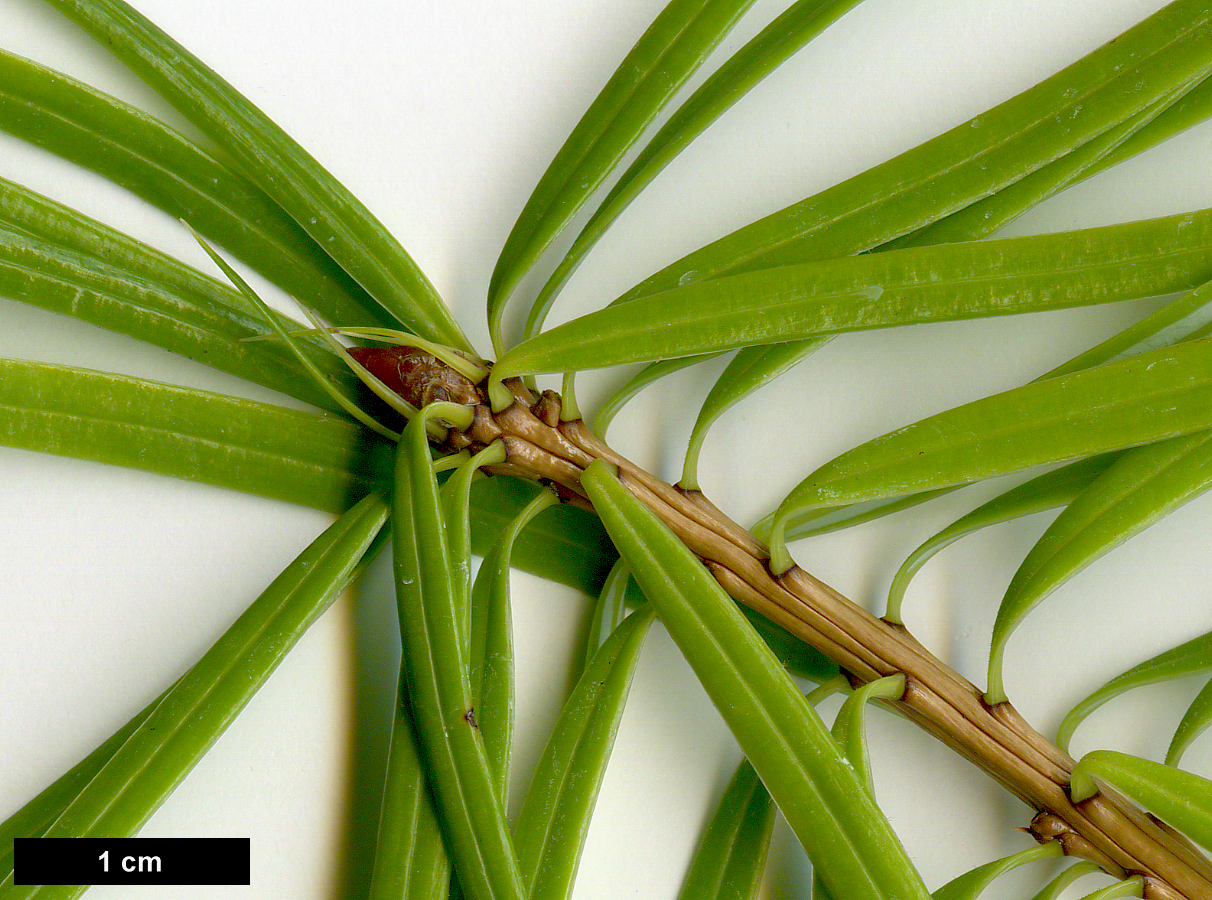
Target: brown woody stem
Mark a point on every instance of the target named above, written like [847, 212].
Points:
[1106, 828]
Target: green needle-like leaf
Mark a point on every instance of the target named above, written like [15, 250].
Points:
[1195, 721]
[1054, 888]
[436, 663]
[33, 819]
[1148, 63]
[321, 205]
[776, 43]
[749, 370]
[410, 854]
[646, 376]
[313, 460]
[880, 290]
[184, 725]
[554, 819]
[154, 162]
[823, 799]
[1147, 398]
[1129, 887]
[1048, 491]
[731, 856]
[972, 884]
[492, 643]
[1142, 486]
[1176, 797]
[1191, 658]
[849, 728]
[668, 53]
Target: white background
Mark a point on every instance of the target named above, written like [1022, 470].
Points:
[441, 116]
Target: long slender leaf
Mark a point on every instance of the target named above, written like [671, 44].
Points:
[1053, 889]
[731, 856]
[1150, 397]
[1195, 721]
[1119, 80]
[828, 808]
[1048, 491]
[554, 819]
[972, 884]
[1129, 887]
[880, 290]
[642, 379]
[1142, 486]
[184, 725]
[1191, 658]
[436, 664]
[668, 53]
[749, 370]
[777, 42]
[492, 643]
[314, 460]
[146, 157]
[322, 207]
[410, 854]
[849, 728]
[1176, 797]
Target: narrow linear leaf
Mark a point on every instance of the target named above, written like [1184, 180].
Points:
[650, 374]
[1054, 888]
[322, 207]
[1142, 486]
[36, 816]
[774, 45]
[673, 47]
[619, 594]
[410, 854]
[159, 165]
[880, 290]
[177, 317]
[730, 858]
[972, 884]
[1150, 397]
[824, 801]
[1129, 887]
[184, 725]
[749, 370]
[1191, 658]
[492, 643]
[554, 819]
[435, 654]
[1151, 61]
[849, 728]
[1195, 721]
[1178, 798]
[319, 461]
[1048, 491]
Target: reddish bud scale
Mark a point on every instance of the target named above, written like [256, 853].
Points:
[417, 376]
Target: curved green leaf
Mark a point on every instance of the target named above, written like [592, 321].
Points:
[777, 42]
[437, 668]
[673, 47]
[492, 643]
[880, 290]
[646, 376]
[1048, 491]
[1191, 658]
[410, 854]
[1195, 721]
[319, 461]
[1119, 80]
[1178, 798]
[1129, 887]
[154, 162]
[179, 317]
[554, 819]
[1054, 888]
[749, 370]
[1142, 486]
[730, 858]
[1150, 397]
[849, 728]
[972, 884]
[192, 715]
[824, 801]
[321, 206]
